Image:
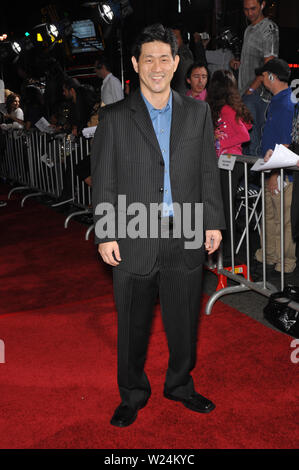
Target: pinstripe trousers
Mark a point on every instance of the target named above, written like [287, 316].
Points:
[179, 291]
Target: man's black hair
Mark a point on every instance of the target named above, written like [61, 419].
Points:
[197, 65]
[155, 32]
[260, 1]
[104, 61]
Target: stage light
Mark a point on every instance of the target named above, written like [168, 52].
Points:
[39, 37]
[45, 35]
[10, 50]
[16, 47]
[106, 12]
[53, 30]
[113, 11]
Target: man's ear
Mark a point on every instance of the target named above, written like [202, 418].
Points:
[176, 62]
[135, 64]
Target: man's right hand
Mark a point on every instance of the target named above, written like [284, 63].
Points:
[107, 250]
[234, 64]
[268, 155]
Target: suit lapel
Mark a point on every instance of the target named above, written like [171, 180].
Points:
[177, 122]
[143, 121]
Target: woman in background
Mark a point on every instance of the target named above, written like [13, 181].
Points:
[14, 113]
[232, 122]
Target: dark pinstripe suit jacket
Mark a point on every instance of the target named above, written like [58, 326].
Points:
[126, 160]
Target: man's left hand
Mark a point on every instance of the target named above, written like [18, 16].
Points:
[272, 184]
[213, 239]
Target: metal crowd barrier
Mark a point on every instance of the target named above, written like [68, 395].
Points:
[45, 164]
[15, 163]
[79, 151]
[245, 282]
[42, 163]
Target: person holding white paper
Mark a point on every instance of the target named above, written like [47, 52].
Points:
[295, 196]
[281, 157]
[277, 130]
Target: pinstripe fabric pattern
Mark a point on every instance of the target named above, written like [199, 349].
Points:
[179, 290]
[126, 160]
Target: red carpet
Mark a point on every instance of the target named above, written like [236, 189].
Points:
[58, 384]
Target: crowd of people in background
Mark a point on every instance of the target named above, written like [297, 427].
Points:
[242, 99]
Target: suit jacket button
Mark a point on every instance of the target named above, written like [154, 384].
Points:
[161, 190]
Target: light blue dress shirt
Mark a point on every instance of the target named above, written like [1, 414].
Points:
[161, 119]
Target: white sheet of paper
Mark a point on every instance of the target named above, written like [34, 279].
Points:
[43, 125]
[282, 157]
[89, 131]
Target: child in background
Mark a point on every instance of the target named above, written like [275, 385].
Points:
[232, 122]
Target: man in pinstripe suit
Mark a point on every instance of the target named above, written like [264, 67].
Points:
[155, 147]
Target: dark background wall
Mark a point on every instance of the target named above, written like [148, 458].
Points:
[197, 15]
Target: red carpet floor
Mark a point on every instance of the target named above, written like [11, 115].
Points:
[58, 382]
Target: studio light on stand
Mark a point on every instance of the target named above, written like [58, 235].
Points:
[53, 31]
[106, 11]
[10, 50]
[125, 10]
[115, 12]
[45, 35]
[16, 47]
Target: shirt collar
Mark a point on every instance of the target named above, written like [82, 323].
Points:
[107, 77]
[199, 96]
[151, 108]
[286, 91]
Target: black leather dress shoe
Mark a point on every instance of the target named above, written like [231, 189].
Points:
[125, 415]
[195, 402]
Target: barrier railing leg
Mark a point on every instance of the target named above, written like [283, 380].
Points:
[69, 217]
[30, 195]
[19, 188]
[228, 290]
[88, 231]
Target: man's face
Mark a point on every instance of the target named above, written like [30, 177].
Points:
[198, 79]
[155, 67]
[266, 80]
[100, 72]
[253, 10]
